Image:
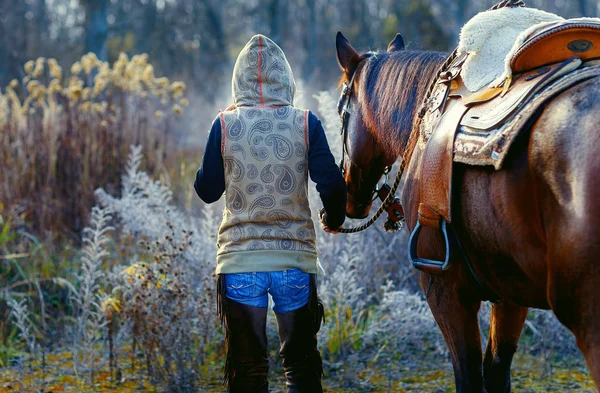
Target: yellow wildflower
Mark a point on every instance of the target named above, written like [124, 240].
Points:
[159, 115]
[184, 102]
[162, 82]
[109, 305]
[177, 109]
[99, 107]
[104, 124]
[134, 270]
[86, 106]
[28, 67]
[129, 70]
[140, 60]
[39, 67]
[54, 86]
[100, 83]
[39, 93]
[74, 92]
[55, 69]
[14, 83]
[120, 64]
[177, 88]
[76, 68]
[32, 86]
[104, 68]
[148, 74]
[88, 62]
[123, 57]
[86, 93]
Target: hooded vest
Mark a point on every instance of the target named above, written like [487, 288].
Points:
[267, 223]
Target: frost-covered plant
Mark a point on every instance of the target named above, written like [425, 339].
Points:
[550, 337]
[145, 205]
[168, 289]
[347, 316]
[163, 307]
[330, 120]
[20, 315]
[403, 326]
[90, 316]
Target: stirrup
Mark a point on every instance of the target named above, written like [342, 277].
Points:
[428, 265]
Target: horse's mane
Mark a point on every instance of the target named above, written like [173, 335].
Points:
[395, 84]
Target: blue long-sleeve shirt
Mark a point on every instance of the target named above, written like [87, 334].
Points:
[210, 178]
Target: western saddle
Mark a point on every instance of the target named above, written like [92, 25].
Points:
[547, 55]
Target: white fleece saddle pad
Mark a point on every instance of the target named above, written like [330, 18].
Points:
[491, 38]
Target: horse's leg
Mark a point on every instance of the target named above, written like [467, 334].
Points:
[575, 299]
[455, 310]
[588, 340]
[573, 292]
[506, 324]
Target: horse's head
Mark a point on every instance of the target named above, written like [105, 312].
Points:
[364, 158]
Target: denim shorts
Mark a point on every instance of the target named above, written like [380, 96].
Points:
[290, 289]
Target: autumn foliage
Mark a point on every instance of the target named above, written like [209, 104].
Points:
[62, 136]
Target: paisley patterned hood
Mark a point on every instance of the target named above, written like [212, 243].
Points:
[262, 75]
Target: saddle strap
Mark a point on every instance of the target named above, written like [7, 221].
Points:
[436, 166]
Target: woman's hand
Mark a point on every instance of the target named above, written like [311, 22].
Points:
[323, 219]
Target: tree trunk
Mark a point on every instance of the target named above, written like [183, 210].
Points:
[583, 8]
[217, 48]
[275, 20]
[311, 41]
[148, 27]
[97, 28]
[461, 7]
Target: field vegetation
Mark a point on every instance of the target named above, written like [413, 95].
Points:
[88, 154]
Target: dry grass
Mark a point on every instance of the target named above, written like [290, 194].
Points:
[61, 138]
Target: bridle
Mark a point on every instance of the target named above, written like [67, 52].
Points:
[389, 202]
[344, 104]
[344, 112]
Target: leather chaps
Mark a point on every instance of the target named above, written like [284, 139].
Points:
[247, 363]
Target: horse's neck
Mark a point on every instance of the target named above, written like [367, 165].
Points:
[409, 97]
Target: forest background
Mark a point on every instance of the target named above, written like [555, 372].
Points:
[106, 254]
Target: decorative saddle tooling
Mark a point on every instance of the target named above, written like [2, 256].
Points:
[478, 127]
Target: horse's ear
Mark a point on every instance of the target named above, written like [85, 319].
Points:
[348, 58]
[396, 44]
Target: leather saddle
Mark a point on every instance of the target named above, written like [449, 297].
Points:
[547, 55]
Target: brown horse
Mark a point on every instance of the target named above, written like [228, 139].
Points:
[531, 229]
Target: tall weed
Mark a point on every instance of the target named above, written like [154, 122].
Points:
[63, 136]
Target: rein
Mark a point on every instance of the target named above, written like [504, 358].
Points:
[390, 202]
